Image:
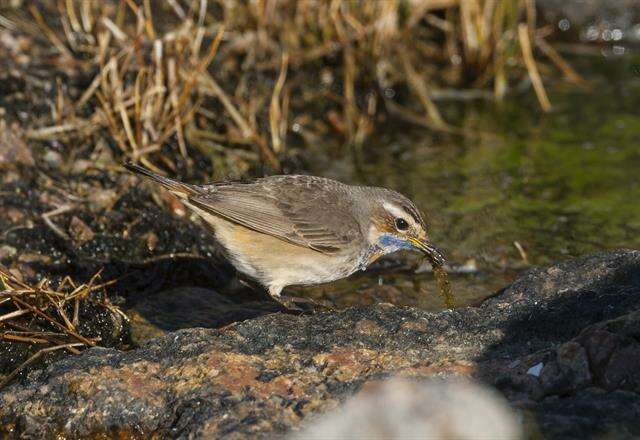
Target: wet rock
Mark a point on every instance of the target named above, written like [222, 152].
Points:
[592, 413]
[432, 409]
[576, 322]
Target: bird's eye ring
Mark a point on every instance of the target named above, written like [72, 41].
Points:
[401, 224]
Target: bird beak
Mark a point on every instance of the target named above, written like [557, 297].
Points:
[436, 257]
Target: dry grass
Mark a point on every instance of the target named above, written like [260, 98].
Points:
[46, 317]
[265, 66]
[167, 83]
[145, 89]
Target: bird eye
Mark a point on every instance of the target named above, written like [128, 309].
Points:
[401, 224]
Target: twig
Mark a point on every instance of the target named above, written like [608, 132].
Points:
[46, 217]
[25, 339]
[50, 34]
[14, 314]
[43, 315]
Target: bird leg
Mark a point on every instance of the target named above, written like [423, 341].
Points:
[315, 305]
[288, 303]
[292, 302]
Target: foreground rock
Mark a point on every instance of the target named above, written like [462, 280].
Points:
[561, 343]
[433, 409]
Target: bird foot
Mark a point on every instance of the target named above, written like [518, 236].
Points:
[297, 303]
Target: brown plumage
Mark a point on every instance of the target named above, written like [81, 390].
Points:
[284, 230]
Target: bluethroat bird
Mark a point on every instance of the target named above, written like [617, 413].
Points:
[302, 230]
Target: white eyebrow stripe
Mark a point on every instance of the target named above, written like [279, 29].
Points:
[397, 212]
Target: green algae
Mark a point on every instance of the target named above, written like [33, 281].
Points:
[560, 185]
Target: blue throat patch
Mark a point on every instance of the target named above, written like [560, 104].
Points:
[390, 243]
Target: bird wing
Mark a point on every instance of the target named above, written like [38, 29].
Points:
[303, 210]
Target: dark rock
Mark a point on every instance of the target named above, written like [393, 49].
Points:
[567, 372]
[614, 352]
[575, 323]
[592, 413]
[169, 310]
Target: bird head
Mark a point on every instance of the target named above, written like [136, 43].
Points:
[397, 224]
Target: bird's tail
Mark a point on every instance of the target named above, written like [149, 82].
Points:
[178, 188]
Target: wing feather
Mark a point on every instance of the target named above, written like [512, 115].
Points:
[303, 210]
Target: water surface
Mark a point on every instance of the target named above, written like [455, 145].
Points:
[522, 189]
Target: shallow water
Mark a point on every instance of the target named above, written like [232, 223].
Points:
[522, 189]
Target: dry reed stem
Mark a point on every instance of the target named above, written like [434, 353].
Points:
[532, 68]
[49, 32]
[560, 62]
[140, 115]
[211, 87]
[499, 71]
[277, 124]
[153, 74]
[417, 83]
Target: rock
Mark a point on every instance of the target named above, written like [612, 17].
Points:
[7, 251]
[151, 240]
[169, 310]
[613, 350]
[14, 215]
[568, 371]
[103, 199]
[268, 375]
[53, 159]
[79, 231]
[13, 148]
[432, 409]
[591, 413]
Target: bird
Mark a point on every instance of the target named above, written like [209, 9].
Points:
[292, 230]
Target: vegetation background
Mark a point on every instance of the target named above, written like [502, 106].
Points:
[206, 90]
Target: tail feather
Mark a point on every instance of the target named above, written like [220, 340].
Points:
[178, 188]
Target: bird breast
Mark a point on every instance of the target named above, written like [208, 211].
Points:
[275, 262]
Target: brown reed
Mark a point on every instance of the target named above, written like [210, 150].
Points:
[265, 66]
